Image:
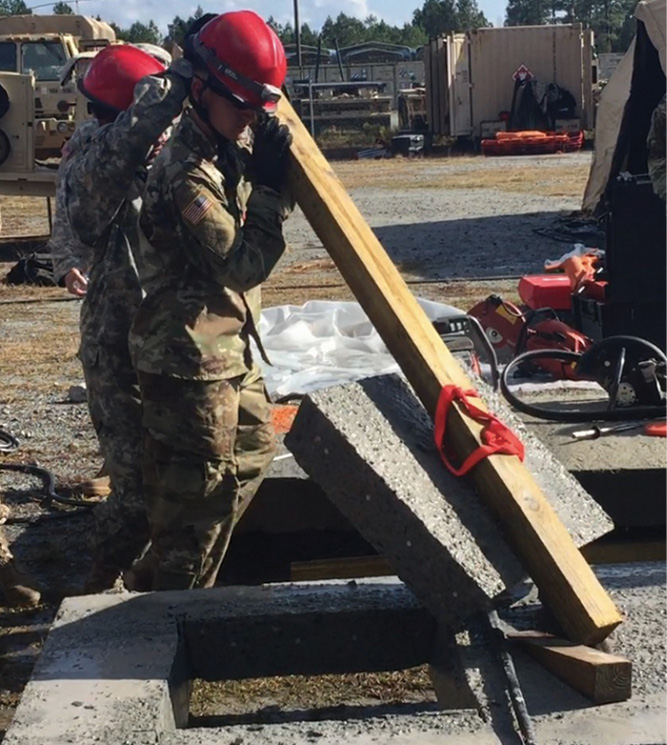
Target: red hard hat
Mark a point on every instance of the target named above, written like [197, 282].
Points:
[113, 73]
[244, 54]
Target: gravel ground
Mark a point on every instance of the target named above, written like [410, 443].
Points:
[435, 231]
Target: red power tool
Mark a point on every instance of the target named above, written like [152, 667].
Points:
[509, 327]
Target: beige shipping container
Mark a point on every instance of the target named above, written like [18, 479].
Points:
[469, 76]
[553, 54]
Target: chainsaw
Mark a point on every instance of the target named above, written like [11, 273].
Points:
[516, 331]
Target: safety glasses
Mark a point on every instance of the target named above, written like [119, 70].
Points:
[225, 93]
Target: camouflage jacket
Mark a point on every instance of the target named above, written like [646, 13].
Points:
[212, 240]
[66, 251]
[657, 167]
[103, 183]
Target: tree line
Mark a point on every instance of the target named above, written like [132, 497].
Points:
[611, 20]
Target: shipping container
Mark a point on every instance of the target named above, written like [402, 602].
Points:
[470, 78]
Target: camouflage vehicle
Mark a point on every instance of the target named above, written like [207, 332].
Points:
[19, 173]
[42, 46]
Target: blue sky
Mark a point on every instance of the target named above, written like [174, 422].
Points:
[313, 12]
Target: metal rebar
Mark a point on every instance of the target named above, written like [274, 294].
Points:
[514, 687]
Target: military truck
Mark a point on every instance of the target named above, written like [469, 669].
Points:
[42, 46]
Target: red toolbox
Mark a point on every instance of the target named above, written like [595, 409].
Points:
[546, 291]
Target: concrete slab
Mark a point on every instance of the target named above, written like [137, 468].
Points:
[626, 473]
[115, 668]
[370, 446]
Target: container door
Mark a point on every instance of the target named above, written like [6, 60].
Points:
[460, 102]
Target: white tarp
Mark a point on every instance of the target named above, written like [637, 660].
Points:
[325, 343]
[614, 97]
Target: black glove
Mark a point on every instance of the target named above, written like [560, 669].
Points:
[268, 162]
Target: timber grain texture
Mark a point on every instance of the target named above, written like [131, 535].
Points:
[567, 584]
[602, 677]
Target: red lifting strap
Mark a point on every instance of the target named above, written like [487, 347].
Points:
[496, 436]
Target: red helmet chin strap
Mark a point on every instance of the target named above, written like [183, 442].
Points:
[268, 94]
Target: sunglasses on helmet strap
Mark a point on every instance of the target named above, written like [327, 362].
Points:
[220, 90]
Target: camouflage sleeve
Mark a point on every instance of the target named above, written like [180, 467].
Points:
[657, 166]
[237, 258]
[98, 179]
[66, 251]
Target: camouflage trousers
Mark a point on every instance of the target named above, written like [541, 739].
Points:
[207, 446]
[121, 527]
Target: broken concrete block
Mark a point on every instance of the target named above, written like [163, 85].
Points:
[370, 447]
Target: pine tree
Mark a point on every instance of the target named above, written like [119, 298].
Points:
[14, 8]
[62, 9]
[528, 12]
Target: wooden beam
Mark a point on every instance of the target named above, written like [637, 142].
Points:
[534, 531]
[345, 568]
[604, 551]
[601, 677]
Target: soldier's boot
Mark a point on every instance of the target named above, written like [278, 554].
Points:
[139, 577]
[100, 486]
[102, 577]
[18, 589]
[97, 486]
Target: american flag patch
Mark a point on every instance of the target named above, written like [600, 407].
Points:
[197, 208]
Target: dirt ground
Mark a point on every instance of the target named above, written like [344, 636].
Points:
[458, 229]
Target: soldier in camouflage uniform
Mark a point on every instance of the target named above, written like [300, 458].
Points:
[71, 258]
[656, 149]
[102, 183]
[214, 237]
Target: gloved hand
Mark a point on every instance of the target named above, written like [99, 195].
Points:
[268, 162]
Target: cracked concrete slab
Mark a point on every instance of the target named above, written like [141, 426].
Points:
[369, 445]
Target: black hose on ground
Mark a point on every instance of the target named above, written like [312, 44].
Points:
[10, 444]
[574, 417]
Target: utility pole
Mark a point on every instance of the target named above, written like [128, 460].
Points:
[297, 34]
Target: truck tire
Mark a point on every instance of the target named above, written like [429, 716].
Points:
[5, 147]
[4, 101]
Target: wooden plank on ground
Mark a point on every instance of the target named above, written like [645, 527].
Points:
[603, 678]
[343, 568]
[567, 584]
